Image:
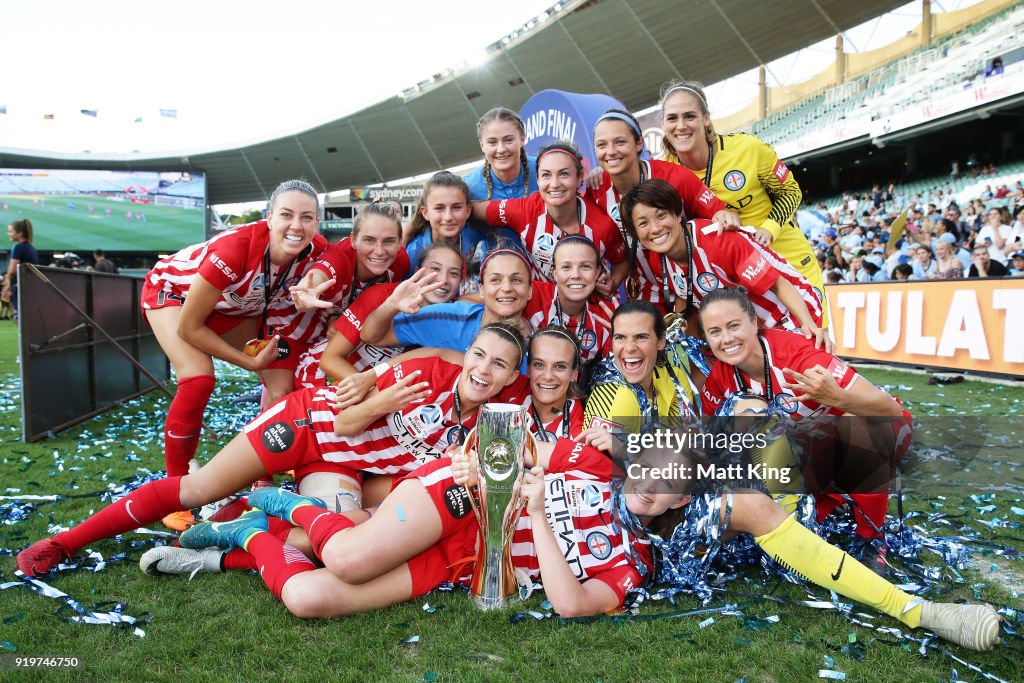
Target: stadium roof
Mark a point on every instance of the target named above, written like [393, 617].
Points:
[626, 48]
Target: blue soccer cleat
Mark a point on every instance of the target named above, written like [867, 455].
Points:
[233, 534]
[281, 503]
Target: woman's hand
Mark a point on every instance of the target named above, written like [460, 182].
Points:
[464, 467]
[602, 440]
[409, 295]
[605, 285]
[820, 337]
[594, 178]
[727, 220]
[762, 237]
[815, 384]
[266, 356]
[307, 299]
[354, 388]
[532, 490]
[400, 394]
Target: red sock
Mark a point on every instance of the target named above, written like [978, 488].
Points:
[147, 504]
[185, 422]
[277, 561]
[279, 528]
[320, 525]
[870, 506]
[825, 503]
[240, 559]
[237, 559]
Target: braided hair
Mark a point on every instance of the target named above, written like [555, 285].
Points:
[503, 114]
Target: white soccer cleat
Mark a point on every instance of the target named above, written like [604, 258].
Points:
[167, 560]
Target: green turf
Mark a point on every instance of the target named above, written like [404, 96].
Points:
[228, 627]
[56, 227]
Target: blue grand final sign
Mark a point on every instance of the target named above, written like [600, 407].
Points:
[553, 115]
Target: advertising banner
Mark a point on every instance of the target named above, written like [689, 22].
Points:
[975, 325]
[553, 115]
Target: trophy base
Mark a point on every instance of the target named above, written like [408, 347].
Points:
[488, 604]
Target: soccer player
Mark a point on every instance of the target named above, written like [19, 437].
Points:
[505, 173]
[556, 211]
[744, 172]
[635, 388]
[372, 254]
[618, 143]
[553, 363]
[693, 259]
[417, 409]
[506, 289]
[810, 388]
[344, 354]
[716, 513]
[571, 301]
[587, 563]
[209, 299]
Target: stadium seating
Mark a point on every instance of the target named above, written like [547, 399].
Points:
[955, 59]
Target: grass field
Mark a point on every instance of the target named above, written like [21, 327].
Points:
[228, 627]
[58, 227]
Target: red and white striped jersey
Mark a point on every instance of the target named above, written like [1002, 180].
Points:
[734, 259]
[784, 349]
[339, 262]
[529, 217]
[350, 324]
[578, 506]
[555, 428]
[698, 202]
[593, 332]
[401, 441]
[234, 262]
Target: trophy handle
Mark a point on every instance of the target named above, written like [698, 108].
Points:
[471, 442]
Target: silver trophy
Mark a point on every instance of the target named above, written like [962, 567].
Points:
[501, 439]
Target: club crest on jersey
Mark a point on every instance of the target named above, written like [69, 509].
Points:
[259, 281]
[588, 340]
[616, 214]
[786, 403]
[454, 436]
[734, 180]
[599, 544]
[708, 282]
[545, 242]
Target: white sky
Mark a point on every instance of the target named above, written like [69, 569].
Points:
[240, 71]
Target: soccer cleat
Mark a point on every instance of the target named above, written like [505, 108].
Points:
[166, 560]
[281, 503]
[871, 553]
[41, 557]
[975, 627]
[179, 521]
[210, 510]
[231, 534]
[232, 510]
